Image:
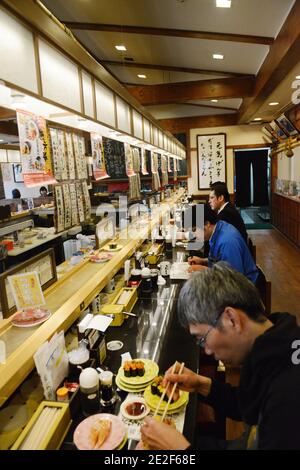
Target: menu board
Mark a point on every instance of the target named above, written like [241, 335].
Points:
[182, 170]
[164, 170]
[114, 154]
[35, 149]
[26, 290]
[144, 168]
[99, 170]
[86, 201]
[74, 208]
[70, 156]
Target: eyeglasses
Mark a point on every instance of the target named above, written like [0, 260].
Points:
[201, 341]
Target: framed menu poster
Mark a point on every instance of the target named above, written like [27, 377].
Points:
[43, 264]
[211, 158]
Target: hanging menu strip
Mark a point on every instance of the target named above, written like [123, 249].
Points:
[114, 154]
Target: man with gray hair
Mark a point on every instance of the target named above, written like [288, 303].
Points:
[223, 310]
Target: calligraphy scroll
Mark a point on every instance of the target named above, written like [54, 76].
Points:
[211, 154]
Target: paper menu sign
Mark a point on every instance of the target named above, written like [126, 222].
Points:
[35, 149]
[99, 322]
[26, 290]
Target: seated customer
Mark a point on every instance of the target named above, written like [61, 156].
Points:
[222, 309]
[219, 201]
[16, 194]
[43, 191]
[225, 244]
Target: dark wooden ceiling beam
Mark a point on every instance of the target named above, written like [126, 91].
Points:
[183, 33]
[6, 113]
[181, 92]
[177, 125]
[8, 128]
[171, 68]
[281, 59]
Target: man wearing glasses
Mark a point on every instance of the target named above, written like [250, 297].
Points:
[223, 310]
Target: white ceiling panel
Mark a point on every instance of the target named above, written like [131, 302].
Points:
[227, 103]
[154, 77]
[254, 17]
[181, 52]
[168, 111]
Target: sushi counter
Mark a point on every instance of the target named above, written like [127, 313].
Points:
[150, 336]
[156, 338]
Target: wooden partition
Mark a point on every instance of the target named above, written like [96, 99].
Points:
[286, 216]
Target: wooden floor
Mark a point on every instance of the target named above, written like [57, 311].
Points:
[280, 260]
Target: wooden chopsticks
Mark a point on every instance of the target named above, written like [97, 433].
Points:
[172, 392]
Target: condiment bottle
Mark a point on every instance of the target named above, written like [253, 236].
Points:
[106, 386]
[146, 284]
[62, 394]
[89, 388]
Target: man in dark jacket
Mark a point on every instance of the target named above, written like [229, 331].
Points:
[222, 309]
[219, 201]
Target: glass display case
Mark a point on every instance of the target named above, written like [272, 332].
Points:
[287, 187]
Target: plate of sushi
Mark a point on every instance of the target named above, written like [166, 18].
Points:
[138, 372]
[155, 390]
[101, 431]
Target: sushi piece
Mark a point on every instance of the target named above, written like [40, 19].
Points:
[133, 370]
[99, 432]
[127, 370]
[140, 368]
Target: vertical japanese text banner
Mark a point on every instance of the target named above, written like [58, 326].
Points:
[211, 157]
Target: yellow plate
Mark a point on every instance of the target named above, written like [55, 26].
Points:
[170, 412]
[153, 400]
[134, 386]
[128, 388]
[151, 371]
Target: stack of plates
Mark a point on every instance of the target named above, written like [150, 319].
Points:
[116, 439]
[153, 400]
[138, 384]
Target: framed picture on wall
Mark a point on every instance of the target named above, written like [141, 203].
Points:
[17, 170]
[286, 125]
[211, 159]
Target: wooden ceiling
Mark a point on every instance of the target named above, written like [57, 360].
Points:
[172, 42]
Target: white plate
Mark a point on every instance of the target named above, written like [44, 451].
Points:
[25, 320]
[138, 401]
[114, 345]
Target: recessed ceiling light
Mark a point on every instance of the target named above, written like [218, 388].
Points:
[1, 140]
[257, 119]
[218, 56]
[223, 3]
[141, 75]
[273, 103]
[298, 77]
[214, 101]
[120, 47]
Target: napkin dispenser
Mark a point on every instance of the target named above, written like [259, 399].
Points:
[124, 301]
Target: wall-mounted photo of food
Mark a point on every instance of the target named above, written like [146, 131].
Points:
[26, 148]
[32, 130]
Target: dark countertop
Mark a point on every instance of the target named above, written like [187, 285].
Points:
[154, 334]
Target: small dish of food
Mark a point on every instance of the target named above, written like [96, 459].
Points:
[101, 258]
[101, 431]
[134, 408]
